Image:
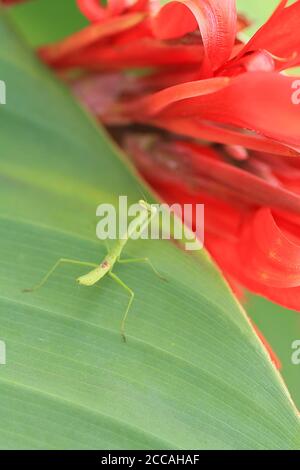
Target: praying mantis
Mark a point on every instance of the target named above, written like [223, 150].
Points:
[113, 256]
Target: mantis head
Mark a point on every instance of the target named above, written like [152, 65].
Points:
[151, 209]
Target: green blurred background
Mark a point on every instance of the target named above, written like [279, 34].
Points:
[48, 20]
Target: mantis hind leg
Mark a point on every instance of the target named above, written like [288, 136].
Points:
[131, 293]
[142, 260]
[56, 265]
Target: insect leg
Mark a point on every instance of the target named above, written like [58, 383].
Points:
[131, 293]
[142, 260]
[51, 271]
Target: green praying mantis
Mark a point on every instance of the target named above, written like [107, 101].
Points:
[113, 256]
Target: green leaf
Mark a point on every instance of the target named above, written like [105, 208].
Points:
[192, 375]
[281, 327]
[256, 11]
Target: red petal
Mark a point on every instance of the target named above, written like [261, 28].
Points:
[115, 7]
[268, 254]
[95, 12]
[225, 252]
[141, 53]
[246, 187]
[89, 35]
[216, 19]
[280, 34]
[224, 135]
[92, 9]
[258, 101]
[169, 97]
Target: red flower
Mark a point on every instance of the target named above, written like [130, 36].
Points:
[251, 215]
[218, 122]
